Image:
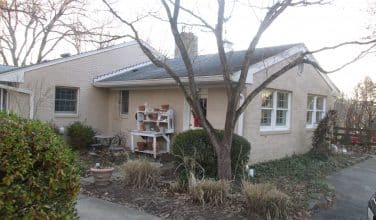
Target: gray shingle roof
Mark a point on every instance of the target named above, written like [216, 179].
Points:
[5, 68]
[204, 65]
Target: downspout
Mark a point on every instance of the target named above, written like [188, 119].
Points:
[241, 118]
[28, 92]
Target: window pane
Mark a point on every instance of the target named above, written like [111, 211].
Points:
[267, 99]
[320, 103]
[282, 100]
[66, 100]
[281, 117]
[124, 102]
[266, 117]
[309, 117]
[310, 102]
[319, 116]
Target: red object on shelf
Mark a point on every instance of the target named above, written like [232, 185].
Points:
[374, 139]
[355, 139]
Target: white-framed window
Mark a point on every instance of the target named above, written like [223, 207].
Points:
[3, 100]
[124, 102]
[66, 100]
[316, 106]
[275, 110]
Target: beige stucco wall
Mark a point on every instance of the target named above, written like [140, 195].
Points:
[265, 145]
[92, 102]
[153, 97]
[19, 103]
[277, 144]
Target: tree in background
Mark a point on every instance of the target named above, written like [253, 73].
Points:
[31, 29]
[359, 111]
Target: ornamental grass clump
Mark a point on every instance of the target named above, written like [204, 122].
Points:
[266, 201]
[141, 173]
[39, 178]
[207, 191]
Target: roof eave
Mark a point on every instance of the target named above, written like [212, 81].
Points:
[215, 79]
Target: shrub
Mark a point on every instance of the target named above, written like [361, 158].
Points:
[195, 145]
[213, 192]
[80, 135]
[38, 175]
[141, 173]
[323, 134]
[266, 200]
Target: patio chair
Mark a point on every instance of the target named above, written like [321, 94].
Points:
[118, 143]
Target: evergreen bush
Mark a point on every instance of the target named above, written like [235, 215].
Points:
[38, 175]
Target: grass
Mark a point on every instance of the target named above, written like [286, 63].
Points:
[207, 191]
[140, 173]
[265, 200]
[302, 177]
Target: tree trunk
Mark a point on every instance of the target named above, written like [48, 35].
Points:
[224, 163]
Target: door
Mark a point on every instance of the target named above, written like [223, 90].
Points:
[194, 122]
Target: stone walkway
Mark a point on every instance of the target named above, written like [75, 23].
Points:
[353, 187]
[97, 209]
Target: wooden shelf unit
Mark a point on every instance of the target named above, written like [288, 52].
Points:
[161, 126]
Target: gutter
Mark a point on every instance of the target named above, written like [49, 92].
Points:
[24, 91]
[155, 82]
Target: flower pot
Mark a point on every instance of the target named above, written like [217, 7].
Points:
[141, 108]
[153, 116]
[102, 176]
[165, 107]
[141, 145]
[142, 127]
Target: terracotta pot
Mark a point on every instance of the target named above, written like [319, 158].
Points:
[141, 145]
[102, 176]
[165, 107]
[153, 116]
[142, 127]
[149, 145]
[141, 108]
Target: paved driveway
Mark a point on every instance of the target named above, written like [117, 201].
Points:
[353, 187]
[97, 209]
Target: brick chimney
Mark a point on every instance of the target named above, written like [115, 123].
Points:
[190, 42]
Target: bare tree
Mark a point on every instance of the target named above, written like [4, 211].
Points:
[31, 29]
[173, 10]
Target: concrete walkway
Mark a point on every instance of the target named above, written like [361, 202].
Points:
[353, 187]
[97, 209]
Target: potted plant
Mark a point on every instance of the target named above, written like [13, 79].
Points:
[102, 175]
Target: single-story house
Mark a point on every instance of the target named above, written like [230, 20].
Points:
[105, 87]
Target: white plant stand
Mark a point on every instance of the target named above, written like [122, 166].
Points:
[154, 135]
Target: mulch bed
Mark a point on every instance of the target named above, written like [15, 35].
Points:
[160, 202]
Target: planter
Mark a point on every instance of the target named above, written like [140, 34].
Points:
[141, 108]
[141, 145]
[153, 116]
[102, 176]
[142, 126]
[165, 107]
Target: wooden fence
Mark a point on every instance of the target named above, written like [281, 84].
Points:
[354, 136]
